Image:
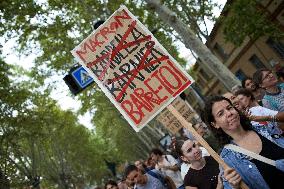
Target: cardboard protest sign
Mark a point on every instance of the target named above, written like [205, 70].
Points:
[170, 121]
[131, 67]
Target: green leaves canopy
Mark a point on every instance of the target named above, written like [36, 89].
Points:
[248, 18]
[38, 137]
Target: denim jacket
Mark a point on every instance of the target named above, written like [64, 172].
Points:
[248, 170]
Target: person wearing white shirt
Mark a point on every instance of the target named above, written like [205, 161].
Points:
[260, 116]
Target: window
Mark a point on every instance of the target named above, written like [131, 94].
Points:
[202, 83]
[277, 46]
[197, 89]
[256, 62]
[240, 75]
[205, 75]
[220, 51]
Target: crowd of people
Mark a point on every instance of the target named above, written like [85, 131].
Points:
[246, 129]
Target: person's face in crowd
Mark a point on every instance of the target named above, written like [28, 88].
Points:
[229, 96]
[190, 151]
[244, 100]
[136, 177]
[129, 183]
[225, 116]
[249, 84]
[154, 157]
[237, 104]
[235, 101]
[122, 185]
[150, 163]
[173, 140]
[200, 129]
[268, 79]
[110, 186]
[139, 165]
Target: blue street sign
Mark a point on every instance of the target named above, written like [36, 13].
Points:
[82, 77]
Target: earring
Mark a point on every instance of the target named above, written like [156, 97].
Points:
[214, 125]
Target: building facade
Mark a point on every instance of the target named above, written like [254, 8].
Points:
[245, 59]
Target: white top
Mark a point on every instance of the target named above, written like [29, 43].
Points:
[174, 175]
[204, 152]
[262, 111]
[184, 169]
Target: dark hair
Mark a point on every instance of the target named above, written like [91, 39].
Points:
[208, 118]
[156, 151]
[244, 81]
[111, 182]
[257, 76]
[179, 144]
[129, 169]
[245, 92]
[280, 74]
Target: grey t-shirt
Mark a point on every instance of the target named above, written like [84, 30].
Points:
[152, 183]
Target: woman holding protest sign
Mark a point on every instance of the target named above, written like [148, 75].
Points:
[204, 171]
[256, 156]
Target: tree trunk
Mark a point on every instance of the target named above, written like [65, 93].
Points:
[146, 143]
[192, 42]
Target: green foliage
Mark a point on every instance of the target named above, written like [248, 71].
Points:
[37, 137]
[248, 18]
[53, 29]
[192, 73]
[194, 13]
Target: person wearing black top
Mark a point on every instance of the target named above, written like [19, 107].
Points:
[230, 127]
[204, 171]
[270, 174]
[206, 178]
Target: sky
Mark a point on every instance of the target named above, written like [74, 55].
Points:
[62, 94]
